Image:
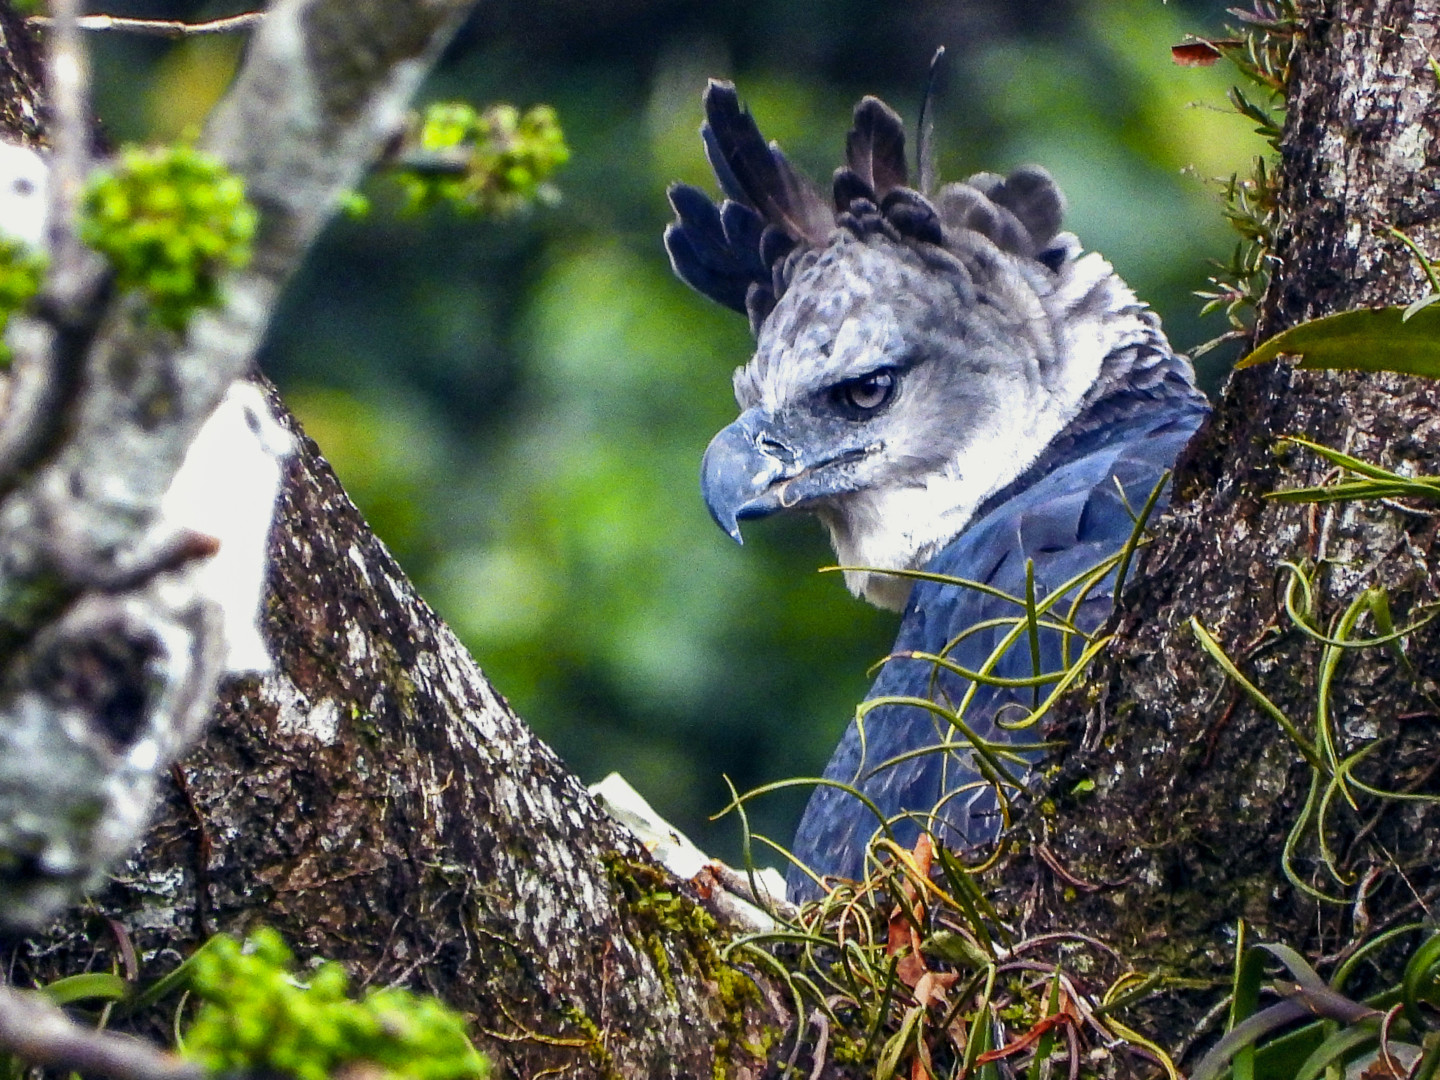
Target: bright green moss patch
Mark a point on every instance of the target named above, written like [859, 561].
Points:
[259, 1017]
[22, 268]
[171, 220]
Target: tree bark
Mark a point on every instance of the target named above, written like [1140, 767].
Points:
[1196, 788]
[378, 802]
[374, 798]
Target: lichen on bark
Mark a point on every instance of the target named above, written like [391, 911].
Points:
[1196, 787]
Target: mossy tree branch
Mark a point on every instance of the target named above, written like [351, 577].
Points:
[373, 798]
[1196, 788]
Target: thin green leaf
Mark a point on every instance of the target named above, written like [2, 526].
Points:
[1046, 1045]
[1036, 681]
[1032, 629]
[1420, 257]
[1355, 490]
[978, 1041]
[1245, 999]
[1360, 955]
[1418, 972]
[1211, 646]
[1419, 305]
[1246, 1034]
[95, 986]
[1354, 464]
[985, 750]
[1430, 1060]
[1128, 551]
[1334, 1049]
[1367, 339]
[890, 1056]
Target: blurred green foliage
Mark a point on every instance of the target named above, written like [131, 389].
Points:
[22, 269]
[520, 406]
[507, 157]
[169, 219]
[259, 1018]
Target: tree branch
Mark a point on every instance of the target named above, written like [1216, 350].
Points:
[38, 1032]
[166, 28]
[324, 85]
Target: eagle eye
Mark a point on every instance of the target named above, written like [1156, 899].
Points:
[864, 396]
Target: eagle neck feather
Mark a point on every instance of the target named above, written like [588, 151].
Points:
[1105, 340]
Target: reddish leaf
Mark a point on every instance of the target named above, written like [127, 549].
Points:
[1202, 53]
[1025, 1040]
[900, 933]
[930, 987]
[911, 969]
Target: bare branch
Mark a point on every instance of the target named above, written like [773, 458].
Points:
[94, 710]
[50, 351]
[39, 1033]
[166, 28]
[68, 71]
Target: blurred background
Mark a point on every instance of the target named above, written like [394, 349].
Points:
[519, 407]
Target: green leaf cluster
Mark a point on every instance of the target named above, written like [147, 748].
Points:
[170, 219]
[259, 1018]
[22, 269]
[492, 162]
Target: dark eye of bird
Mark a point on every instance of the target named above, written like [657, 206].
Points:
[863, 396]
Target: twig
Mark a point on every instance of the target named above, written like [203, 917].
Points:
[50, 350]
[1049, 858]
[821, 1044]
[39, 1033]
[167, 28]
[68, 72]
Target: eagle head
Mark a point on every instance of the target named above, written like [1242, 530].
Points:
[916, 353]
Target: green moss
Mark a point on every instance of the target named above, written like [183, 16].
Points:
[21, 271]
[667, 921]
[846, 1049]
[170, 220]
[258, 1017]
[600, 1055]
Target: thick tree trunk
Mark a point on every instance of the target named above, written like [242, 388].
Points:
[379, 803]
[1196, 788]
[374, 798]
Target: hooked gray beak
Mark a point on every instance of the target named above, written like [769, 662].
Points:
[740, 472]
[753, 468]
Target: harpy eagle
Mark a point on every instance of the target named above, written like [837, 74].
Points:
[951, 386]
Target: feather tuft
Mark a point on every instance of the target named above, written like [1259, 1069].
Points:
[849, 186]
[703, 249]
[775, 244]
[912, 216]
[745, 252]
[759, 302]
[875, 146]
[762, 176]
[1033, 197]
[967, 206]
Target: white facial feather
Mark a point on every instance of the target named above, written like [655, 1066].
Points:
[1020, 388]
[24, 194]
[226, 489]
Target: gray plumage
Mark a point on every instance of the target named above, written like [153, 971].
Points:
[926, 369]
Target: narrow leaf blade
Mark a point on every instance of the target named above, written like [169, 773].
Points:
[1368, 339]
